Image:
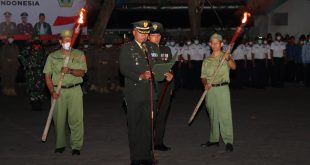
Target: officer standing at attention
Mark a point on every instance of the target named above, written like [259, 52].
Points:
[218, 97]
[260, 62]
[134, 67]
[239, 55]
[25, 27]
[69, 104]
[278, 55]
[8, 56]
[164, 57]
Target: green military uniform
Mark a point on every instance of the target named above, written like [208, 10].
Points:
[8, 55]
[33, 58]
[10, 65]
[133, 62]
[218, 99]
[161, 54]
[69, 105]
[161, 118]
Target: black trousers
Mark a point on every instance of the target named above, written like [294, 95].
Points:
[259, 73]
[277, 72]
[195, 73]
[307, 75]
[139, 128]
[290, 71]
[239, 78]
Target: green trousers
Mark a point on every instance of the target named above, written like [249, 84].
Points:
[162, 114]
[69, 106]
[219, 109]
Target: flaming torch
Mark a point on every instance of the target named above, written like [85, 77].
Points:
[76, 31]
[235, 36]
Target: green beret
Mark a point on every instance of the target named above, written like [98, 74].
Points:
[142, 26]
[66, 33]
[216, 36]
[156, 27]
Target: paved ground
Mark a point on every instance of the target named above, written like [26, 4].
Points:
[271, 127]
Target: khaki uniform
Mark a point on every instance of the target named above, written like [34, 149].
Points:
[218, 100]
[69, 106]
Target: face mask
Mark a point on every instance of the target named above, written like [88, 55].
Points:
[250, 43]
[172, 43]
[108, 45]
[188, 42]
[259, 41]
[66, 46]
[85, 46]
[196, 42]
[278, 38]
[265, 42]
[10, 40]
[302, 42]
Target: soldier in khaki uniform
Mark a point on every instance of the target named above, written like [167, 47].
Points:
[69, 104]
[218, 97]
[8, 55]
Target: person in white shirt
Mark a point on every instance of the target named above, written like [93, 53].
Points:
[185, 64]
[197, 57]
[239, 54]
[278, 60]
[260, 61]
[269, 62]
[248, 63]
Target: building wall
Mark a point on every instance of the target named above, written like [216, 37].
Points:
[298, 18]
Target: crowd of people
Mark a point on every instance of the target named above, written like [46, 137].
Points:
[261, 62]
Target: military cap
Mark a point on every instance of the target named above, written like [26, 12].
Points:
[7, 13]
[24, 14]
[156, 27]
[41, 14]
[216, 36]
[142, 26]
[66, 33]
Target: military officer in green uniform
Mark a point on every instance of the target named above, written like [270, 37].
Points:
[33, 58]
[69, 104]
[8, 55]
[164, 56]
[218, 97]
[134, 67]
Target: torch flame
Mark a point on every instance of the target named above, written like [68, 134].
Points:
[245, 17]
[82, 16]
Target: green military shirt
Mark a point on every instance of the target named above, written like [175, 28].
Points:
[55, 62]
[209, 66]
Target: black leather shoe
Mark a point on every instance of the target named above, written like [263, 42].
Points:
[76, 152]
[208, 144]
[60, 150]
[161, 147]
[142, 162]
[229, 147]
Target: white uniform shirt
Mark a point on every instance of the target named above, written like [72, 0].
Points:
[206, 50]
[259, 51]
[239, 52]
[248, 50]
[197, 51]
[185, 51]
[278, 48]
[174, 51]
[268, 51]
